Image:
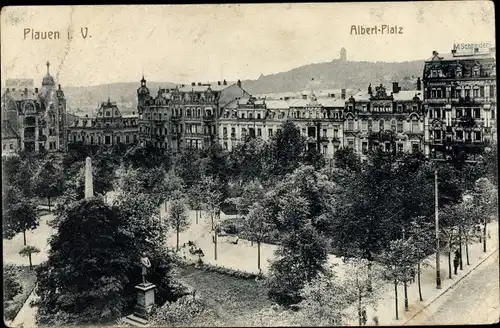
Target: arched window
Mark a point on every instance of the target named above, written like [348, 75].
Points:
[381, 125]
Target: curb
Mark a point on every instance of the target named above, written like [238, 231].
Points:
[495, 251]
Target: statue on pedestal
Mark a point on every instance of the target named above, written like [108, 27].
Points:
[146, 264]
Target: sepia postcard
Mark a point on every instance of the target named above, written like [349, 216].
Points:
[257, 165]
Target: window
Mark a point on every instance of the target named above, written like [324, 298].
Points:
[477, 113]
[477, 135]
[325, 149]
[244, 131]
[415, 148]
[364, 126]
[438, 93]
[311, 132]
[135, 138]
[324, 133]
[493, 114]
[492, 91]
[242, 115]
[335, 133]
[224, 131]
[475, 93]
[250, 115]
[381, 125]
[225, 145]
[433, 93]
[350, 143]
[468, 112]
[467, 92]
[400, 147]
[118, 139]
[259, 132]
[400, 108]
[364, 147]
[387, 146]
[400, 127]
[481, 91]
[107, 140]
[460, 135]
[108, 113]
[270, 131]
[415, 128]
[459, 113]
[258, 116]
[350, 125]
[437, 134]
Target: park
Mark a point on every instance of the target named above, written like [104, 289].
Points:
[310, 241]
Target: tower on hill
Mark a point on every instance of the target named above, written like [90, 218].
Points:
[343, 54]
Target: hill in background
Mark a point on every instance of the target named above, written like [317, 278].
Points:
[330, 75]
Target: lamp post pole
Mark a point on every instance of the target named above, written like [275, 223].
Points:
[438, 269]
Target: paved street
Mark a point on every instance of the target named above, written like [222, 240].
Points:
[475, 300]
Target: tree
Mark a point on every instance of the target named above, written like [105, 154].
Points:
[324, 301]
[180, 313]
[171, 184]
[359, 283]
[177, 218]
[19, 213]
[449, 232]
[11, 285]
[398, 261]
[347, 159]
[422, 235]
[258, 225]
[485, 198]
[49, 180]
[287, 149]
[27, 251]
[301, 256]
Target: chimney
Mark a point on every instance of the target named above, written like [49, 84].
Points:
[13, 89]
[36, 90]
[395, 87]
[218, 82]
[182, 85]
[7, 89]
[304, 96]
[25, 90]
[193, 84]
[239, 83]
[86, 116]
[199, 84]
[453, 51]
[435, 53]
[224, 82]
[342, 94]
[419, 84]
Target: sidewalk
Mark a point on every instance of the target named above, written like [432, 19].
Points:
[386, 306]
[26, 317]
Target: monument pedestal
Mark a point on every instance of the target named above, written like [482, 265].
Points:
[145, 302]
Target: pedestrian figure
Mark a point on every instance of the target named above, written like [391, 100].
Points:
[456, 261]
[375, 321]
[363, 317]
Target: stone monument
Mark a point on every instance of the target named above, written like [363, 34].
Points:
[145, 297]
[89, 185]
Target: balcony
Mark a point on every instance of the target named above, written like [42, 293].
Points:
[324, 139]
[208, 117]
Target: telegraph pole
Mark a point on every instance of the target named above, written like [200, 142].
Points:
[438, 273]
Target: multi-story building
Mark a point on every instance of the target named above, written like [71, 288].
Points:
[185, 116]
[392, 121]
[108, 127]
[460, 100]
[38, 117]
[10, 139]
[319, 120]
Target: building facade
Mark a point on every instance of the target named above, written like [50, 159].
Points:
[185, 116]
[394, 121]
[38, 117]
[319, 121]
[108, 127]
[460, 100]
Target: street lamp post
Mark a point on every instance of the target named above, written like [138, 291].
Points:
[438, 269]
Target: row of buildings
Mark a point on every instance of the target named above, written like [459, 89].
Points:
[450, 112]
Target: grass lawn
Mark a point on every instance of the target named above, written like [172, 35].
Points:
[27, 279]
[232, 298]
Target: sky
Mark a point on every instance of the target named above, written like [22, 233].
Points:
[185, 43]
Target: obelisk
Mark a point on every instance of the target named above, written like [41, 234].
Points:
[89, 186]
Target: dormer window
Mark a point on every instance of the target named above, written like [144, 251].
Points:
[458, 72]
[435, 73]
